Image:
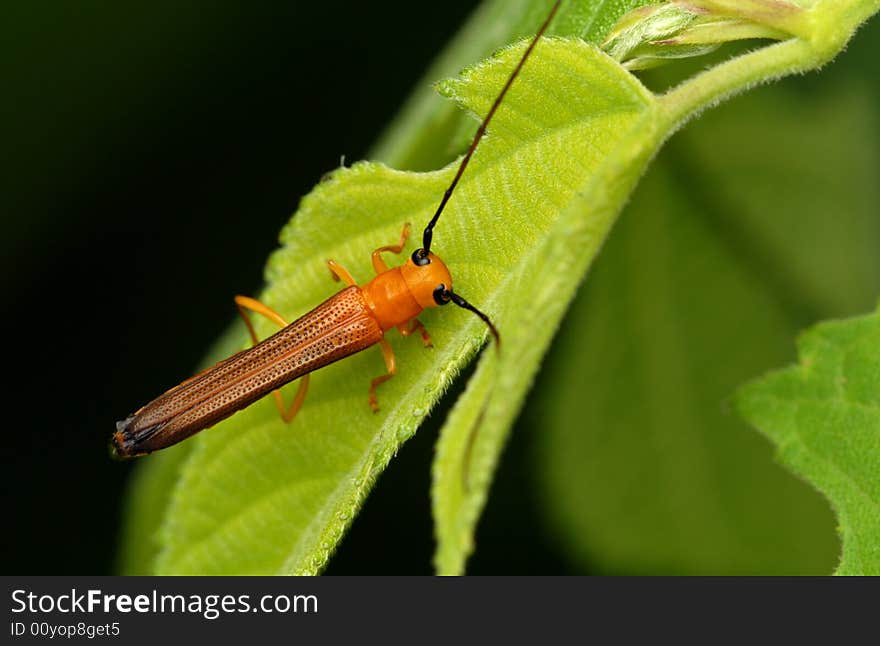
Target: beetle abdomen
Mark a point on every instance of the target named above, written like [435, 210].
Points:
[337, 328]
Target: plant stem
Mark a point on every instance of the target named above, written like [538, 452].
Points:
[823, 31]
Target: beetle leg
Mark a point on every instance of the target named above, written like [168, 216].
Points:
[406, 329]
[390, 365]
[246, 303]
[341, 273]
[378, 264]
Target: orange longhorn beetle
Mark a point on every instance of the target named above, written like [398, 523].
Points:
[348, 322]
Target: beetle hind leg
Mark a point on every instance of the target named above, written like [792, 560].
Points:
[246, 304]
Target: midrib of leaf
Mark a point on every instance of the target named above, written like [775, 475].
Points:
[495, 394]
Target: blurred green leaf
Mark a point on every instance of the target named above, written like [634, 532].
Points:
[743, 231]
[824, 416]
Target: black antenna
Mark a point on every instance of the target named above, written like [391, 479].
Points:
[458, 300]
[429, 230]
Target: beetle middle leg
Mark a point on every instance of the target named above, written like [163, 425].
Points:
[246, 303]
[416, 325]
[390, 365]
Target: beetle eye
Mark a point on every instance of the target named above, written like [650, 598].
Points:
[441, 295]
[420, 258]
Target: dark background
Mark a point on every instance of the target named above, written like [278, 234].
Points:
[150, 155]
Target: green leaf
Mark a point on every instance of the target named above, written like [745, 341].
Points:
[824, 417]
[305, 482]
[257, 496]
[576, 132]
